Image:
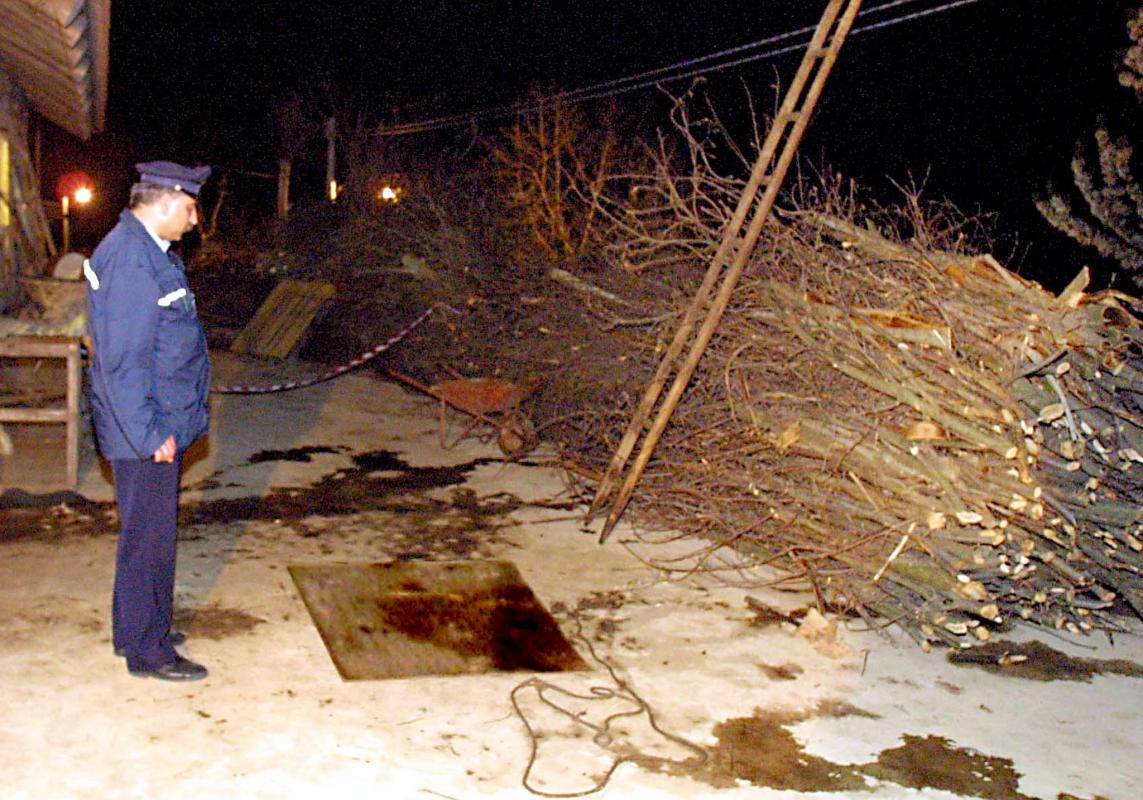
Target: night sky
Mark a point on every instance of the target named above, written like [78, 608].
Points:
[987, 100]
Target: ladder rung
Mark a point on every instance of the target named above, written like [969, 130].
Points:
[830, 34]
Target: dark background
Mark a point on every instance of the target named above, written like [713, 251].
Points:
[985, 104]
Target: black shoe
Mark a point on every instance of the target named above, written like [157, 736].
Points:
[181, 669]
[176, 638]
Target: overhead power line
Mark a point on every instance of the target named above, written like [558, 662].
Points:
[690, 68]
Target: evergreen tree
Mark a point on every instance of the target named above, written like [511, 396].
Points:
[1113, 220]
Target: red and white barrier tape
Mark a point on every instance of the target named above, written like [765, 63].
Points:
[333, 373]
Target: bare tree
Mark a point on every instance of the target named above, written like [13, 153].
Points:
[295, 123]
[549, 161]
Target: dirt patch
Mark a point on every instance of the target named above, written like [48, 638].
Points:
[215, 622]
[781, 672]
[611, 600]
[28, 627]
[1035, 661]
[765, 616]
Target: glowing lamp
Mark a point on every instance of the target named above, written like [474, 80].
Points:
[73, 184]
[389, 194]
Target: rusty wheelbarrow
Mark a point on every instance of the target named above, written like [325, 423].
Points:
[493, 401]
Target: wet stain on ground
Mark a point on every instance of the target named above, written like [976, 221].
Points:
[934, 762]
[215, 622]
[18, 498]
[369, 485]
[52, 516]
[300, 454]
[396, 620]
[377, 481]
[762, 750]
[379, 461]
[206, 484]
[1035, 661]
[504, 625]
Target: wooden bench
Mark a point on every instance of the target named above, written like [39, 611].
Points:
[65, 347]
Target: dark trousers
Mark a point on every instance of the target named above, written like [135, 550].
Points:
[143, 602]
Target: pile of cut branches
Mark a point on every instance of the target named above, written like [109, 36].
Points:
[916, 433]
[923, 438]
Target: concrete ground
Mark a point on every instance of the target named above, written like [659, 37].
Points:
[693, 691]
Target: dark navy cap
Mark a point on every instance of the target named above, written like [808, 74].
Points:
[168, 173]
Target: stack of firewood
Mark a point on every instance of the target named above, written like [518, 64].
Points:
[923, 438]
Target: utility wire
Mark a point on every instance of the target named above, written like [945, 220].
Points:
[572, 94]
[602, 90]
[681, 70]
[598, 91]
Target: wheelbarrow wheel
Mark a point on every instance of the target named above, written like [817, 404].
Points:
[517, 436]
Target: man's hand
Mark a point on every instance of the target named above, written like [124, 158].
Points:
[166, 452]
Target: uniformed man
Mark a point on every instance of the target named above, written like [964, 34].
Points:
[150, 378]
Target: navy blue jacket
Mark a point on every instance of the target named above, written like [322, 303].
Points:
[150, 372]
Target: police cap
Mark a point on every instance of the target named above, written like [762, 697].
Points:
[168, 173]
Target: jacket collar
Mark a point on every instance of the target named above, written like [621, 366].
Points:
[138, 229]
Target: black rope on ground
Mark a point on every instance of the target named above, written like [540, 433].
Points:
[602, 734]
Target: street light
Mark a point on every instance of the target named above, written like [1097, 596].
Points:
[74, 186]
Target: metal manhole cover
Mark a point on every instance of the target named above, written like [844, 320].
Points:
[408, 618]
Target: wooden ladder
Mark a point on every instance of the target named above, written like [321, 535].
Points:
[731, 257]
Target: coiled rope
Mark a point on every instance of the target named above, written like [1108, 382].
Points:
[602, 733]
[368, 355]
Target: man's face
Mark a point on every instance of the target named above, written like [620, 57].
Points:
[178, 214]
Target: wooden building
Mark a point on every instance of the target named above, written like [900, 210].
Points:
[53, 65]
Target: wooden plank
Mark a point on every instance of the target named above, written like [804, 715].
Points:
[290, 304]
[408, 618]
[313, 305]
[37, 346]
[33, 415]
[304, 304]
[283, 318]
[74, 389]
[243, 343]
[303, 307]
